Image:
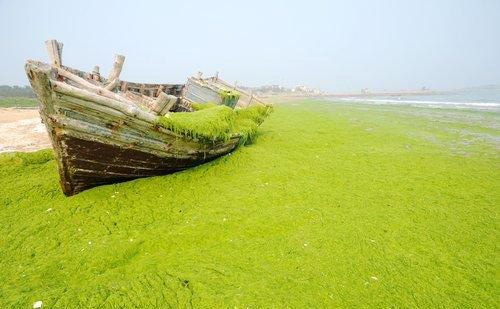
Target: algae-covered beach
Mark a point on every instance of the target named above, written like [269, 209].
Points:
[333, 205]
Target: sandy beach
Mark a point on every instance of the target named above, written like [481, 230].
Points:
[22, 130]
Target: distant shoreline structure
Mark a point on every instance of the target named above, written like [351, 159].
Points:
[357, 94]
[366, 93]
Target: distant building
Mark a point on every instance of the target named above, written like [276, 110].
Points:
[277, 89]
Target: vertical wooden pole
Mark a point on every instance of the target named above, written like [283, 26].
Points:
[159, 91]
[164, 103]
[112, 85]
[117, 67]
[54, 50]
[95, 73]
[60, 46]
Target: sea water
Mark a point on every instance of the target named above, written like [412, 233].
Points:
[481, 99]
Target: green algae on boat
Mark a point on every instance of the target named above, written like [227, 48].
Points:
[229, 97]
[200, 106]
[217, 122]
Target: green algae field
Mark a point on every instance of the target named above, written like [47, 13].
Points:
[332, 205]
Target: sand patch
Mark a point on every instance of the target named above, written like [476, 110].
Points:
[22, 130]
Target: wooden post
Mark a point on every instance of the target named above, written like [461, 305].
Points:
[124, 87]
[160, 90]
[141, 91]
[164, 103]
[216, 75]
[95, 73]
[117, 67]
[112, 85]
[54, 49]
[60, 46]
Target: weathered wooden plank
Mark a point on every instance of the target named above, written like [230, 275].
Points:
[117, 67]
[85, 174]
[100, 126]
[91, 87]
[129, 109]
[164, 103]
[95, 74]
[141, 100]
[96, 132]
[109, 115]
[200, 92]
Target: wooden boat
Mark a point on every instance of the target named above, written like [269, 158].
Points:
[104, 130]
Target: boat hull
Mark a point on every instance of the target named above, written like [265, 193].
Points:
[98, 141]
[86, 164]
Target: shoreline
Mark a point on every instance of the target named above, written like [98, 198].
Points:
[343, 95]
[394, 93]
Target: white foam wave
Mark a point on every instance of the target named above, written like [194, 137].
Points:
[428, 103]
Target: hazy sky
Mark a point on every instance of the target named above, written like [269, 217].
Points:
[334, 45]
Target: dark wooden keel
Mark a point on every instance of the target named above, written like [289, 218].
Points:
[85, 164]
